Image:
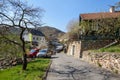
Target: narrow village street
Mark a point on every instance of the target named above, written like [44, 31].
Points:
[66, 67]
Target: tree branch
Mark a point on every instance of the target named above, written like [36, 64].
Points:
[14, 42]
[7, 17]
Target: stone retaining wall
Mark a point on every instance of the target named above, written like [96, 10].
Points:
[9, 62]
[110, 61]
[94, 44]
[77, 47]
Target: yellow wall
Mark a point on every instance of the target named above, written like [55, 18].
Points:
[30, 36]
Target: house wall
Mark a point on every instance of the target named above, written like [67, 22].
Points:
[40, 39]
[27, 37]
[36, 38]
[77, 47]
[43, 41]
[74, 49]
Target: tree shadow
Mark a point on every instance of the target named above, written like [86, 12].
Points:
[83, 73]
[70, 73]
[53, 57]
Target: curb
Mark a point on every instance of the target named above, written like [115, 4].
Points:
[46, 73]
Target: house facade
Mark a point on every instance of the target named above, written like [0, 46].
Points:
[92, 22]
[91, 39]
[35, 36]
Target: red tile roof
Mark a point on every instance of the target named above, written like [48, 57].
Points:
[91, 16]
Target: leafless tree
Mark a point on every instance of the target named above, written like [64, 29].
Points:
[74, 30]
[17, 14]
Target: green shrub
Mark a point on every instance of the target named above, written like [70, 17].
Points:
[115, 48]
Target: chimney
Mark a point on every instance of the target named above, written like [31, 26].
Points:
[112, 9]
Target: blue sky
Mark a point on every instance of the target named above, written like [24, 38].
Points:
[59, 12]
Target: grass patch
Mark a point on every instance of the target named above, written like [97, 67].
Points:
[35, 71]
[115, 48]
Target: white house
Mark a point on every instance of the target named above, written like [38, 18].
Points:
[34, 36]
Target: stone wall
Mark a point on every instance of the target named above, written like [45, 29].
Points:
[109, 61]
[95, 44]
[75, 48]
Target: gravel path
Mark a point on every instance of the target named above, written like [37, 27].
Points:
[66, 67]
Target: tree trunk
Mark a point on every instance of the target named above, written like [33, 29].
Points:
[24, 62]
[24, 51]
[24, 57]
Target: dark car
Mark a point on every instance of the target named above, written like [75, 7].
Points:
[35, 43]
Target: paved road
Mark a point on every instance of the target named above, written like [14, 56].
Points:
[66, 67]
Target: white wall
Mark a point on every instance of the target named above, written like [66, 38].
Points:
[40, 39]
[26, 37]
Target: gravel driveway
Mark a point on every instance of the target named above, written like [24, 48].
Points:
[66, 67]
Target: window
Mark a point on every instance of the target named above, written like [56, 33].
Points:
[40, 38]
[43, 39]
[36, 38]
[33, 38]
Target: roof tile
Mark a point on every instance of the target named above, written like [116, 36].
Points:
[90, 16]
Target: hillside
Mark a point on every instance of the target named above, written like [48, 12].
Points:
[10, 30]
[47, 30]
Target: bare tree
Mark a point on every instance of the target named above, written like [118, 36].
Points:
[74, 30]
[17, 14]
[117, 6]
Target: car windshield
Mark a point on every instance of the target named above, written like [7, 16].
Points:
[43, 50]
[32, 51]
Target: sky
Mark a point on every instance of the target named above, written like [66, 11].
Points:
[58, 13]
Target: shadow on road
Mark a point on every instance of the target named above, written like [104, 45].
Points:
[83, 73]
[53, 57]
[67, 68]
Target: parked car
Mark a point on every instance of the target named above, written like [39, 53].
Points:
[43, 53]
[33, 52]
[35, 43]
[59, 48]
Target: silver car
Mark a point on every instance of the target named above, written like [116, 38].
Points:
[43, 53]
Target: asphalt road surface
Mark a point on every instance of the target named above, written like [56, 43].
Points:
[66, 67]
